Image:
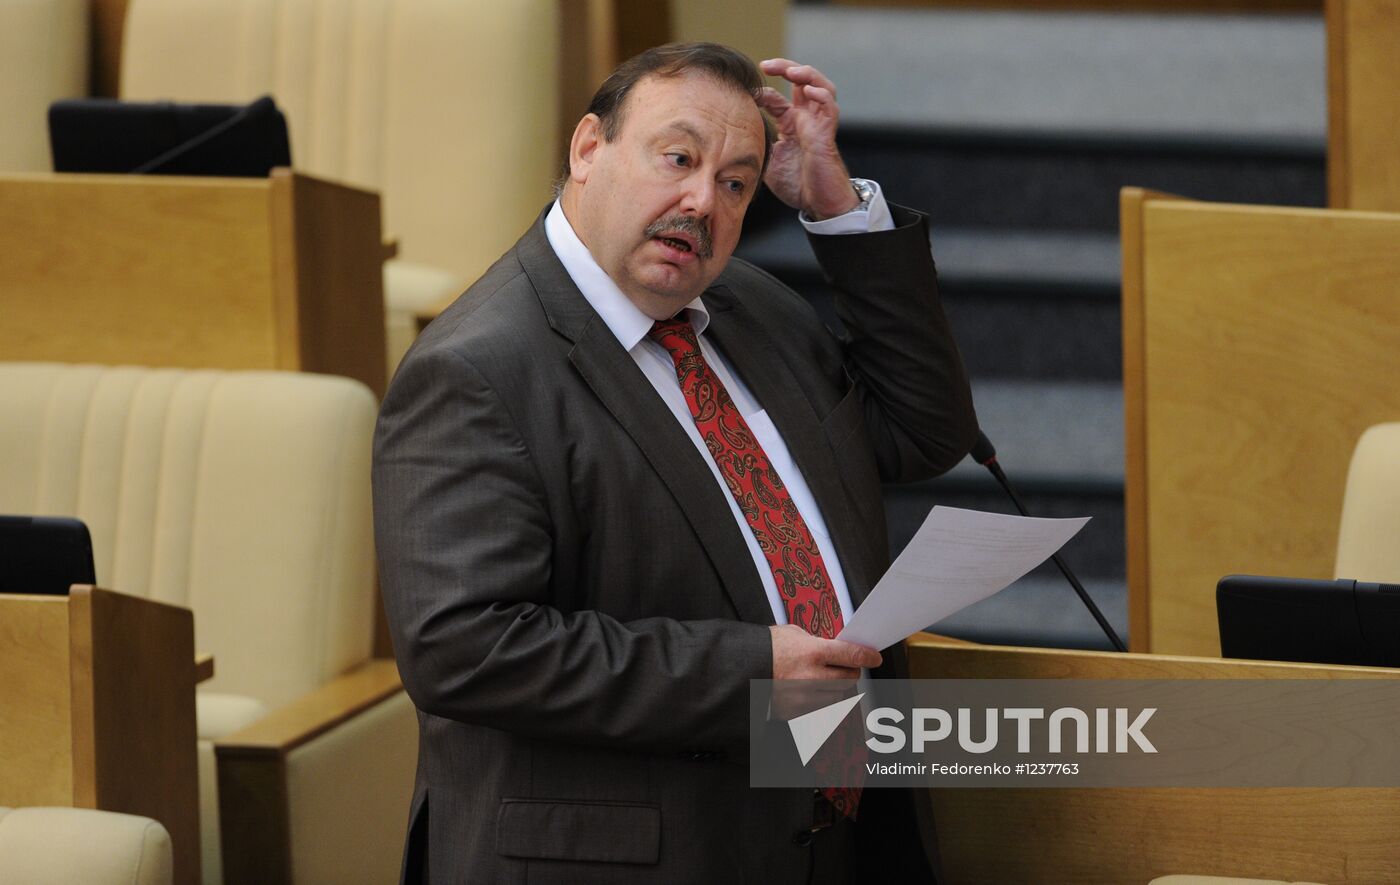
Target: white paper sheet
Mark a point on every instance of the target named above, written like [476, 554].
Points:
[956, 558]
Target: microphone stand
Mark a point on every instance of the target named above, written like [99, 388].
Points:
[985, 454]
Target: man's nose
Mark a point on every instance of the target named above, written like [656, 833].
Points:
[699, 197]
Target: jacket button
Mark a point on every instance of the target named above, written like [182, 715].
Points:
[802, 839]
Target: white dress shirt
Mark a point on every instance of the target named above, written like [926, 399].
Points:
[630, 326]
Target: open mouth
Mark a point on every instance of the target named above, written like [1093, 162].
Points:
[685, 238]
[677, 243]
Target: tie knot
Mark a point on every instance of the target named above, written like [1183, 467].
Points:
[676, 335]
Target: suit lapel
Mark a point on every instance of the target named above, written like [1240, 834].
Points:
[615, 379]
[754, 356]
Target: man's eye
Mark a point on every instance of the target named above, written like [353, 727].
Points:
[735, 187]
[679, 159]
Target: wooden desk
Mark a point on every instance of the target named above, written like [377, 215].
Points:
[1110, 836]
[229, 273]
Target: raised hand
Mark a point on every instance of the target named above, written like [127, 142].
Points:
[805, 169]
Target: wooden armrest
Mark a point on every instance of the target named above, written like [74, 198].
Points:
[254, 814]
[390, 248]
[315, 713]
[203, 668]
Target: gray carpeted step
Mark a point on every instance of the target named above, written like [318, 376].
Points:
[1037, 304]
[1051, 431]
[1037, 119]
[1071, 179]
[1042, 610]
[1247, 76]
[1097, 552]
[1061, 446]
[1048, 262]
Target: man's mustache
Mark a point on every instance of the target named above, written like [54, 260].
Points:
[685, 224]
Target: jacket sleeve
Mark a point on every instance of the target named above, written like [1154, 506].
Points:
[899, 349]
[465, 550]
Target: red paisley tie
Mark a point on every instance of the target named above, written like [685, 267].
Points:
[782, 534]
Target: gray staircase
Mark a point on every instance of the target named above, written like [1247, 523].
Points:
[1015, 131]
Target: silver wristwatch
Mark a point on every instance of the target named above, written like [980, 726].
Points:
[866, 191]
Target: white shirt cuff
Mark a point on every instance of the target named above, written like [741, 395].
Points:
[858, 221]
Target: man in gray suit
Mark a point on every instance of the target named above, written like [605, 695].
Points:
[624, 475]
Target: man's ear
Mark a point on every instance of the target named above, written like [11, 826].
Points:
[588, 136]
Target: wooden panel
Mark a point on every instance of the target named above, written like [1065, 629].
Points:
[138, 698]
[1338, 141]
[1134, 419]
[108, 24]
[1269, 347]
[254, 820]
[641, 24]
[588, 53]
[1363, 80]
[339, 277]
[282, 232]
[1109, 836]
[936, 657]
[36, 742]
[600, 35]
[180, 266]
[1135, 414]
[82, 683]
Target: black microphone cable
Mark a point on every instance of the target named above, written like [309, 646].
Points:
[984, 453]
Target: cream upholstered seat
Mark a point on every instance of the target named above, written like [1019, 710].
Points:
[447, 109]
[1366, 548]
[43, 57]
[244, 496]
[61, 846]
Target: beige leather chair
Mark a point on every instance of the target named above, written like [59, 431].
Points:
[244, 496]
[448, 109]
[62, 846]
[1366, 548]
[43, 57]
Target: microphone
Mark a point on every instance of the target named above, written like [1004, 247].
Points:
[984, 453]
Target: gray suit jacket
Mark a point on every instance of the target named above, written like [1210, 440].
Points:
[573, 609]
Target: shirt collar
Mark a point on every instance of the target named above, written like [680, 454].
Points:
[623, 318]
